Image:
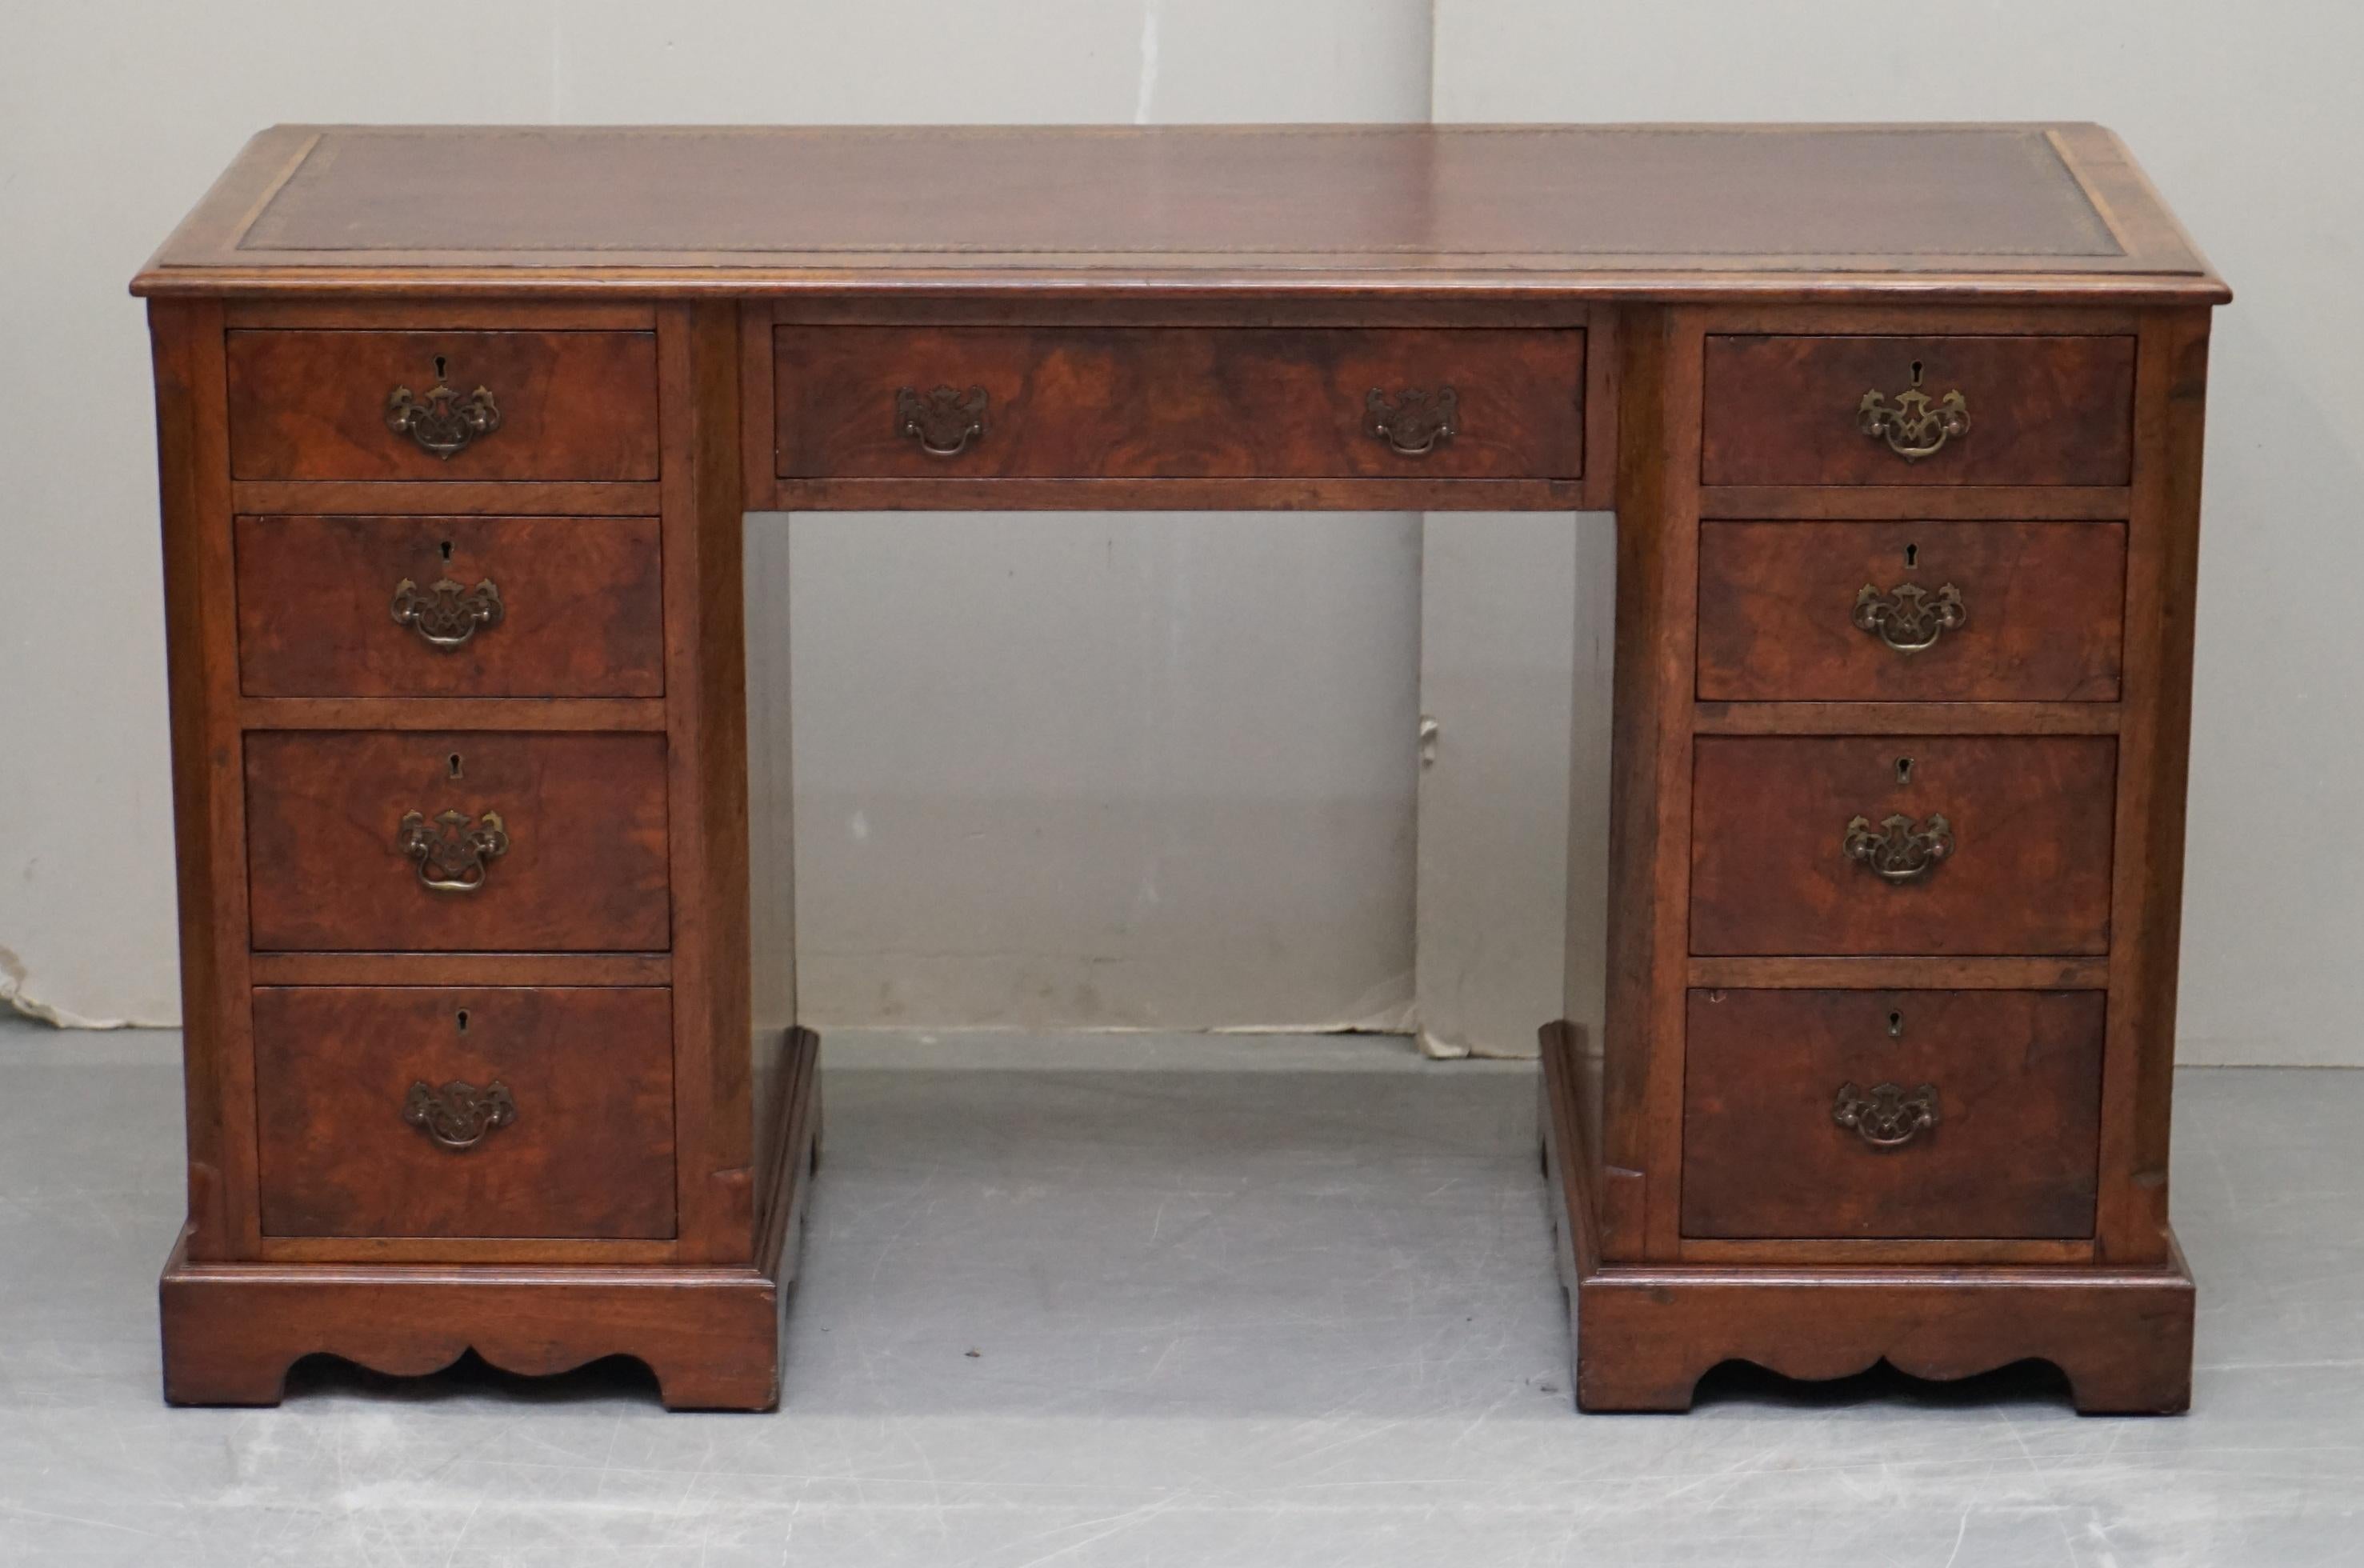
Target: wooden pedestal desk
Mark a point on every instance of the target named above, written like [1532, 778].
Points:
[489, 983]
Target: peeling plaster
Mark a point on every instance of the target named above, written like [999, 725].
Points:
[1388, 1008]
[13, 978]
[1437, 1048]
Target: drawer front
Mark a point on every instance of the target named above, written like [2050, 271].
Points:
[1911, 612]
[449, 607]
[1946, 845]
[1177, 403]
[451, 1113]
[556, 405]
[2037, 411]
[1962, 1113]
[465, 841]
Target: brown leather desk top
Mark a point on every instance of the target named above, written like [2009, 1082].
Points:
[2023, 212]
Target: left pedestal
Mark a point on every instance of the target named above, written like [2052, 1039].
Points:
[477, 1054]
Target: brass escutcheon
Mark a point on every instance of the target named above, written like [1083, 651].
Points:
[1913, 425]
[1412, 422]
[1908, 618]
[943, 422]
[459, 1114]
[453, 853]
[444, 614]
[443, 422]
[1887, 1118]
[1900, 849]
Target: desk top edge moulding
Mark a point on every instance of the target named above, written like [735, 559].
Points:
[487, 928]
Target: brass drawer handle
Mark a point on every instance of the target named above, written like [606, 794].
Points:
[943, 422]
[1900, 849]
[443, 422]
[1887, 1118]
[459, 1114]
[1913, 425]
[1907, 617]
[452, 852]
[444, 614]
[1413, 423]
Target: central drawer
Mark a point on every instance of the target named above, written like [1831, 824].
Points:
[456, 841]
[386, 1111]
[1178, 403]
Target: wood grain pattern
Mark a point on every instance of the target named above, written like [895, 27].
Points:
[2029, 874]
[2123, 1338]
[1177, 403]
[765, 660]
[2146, 897]
[1650, 784]
[208, 823]
[586, 870]
[489, 1252]
[2018, 1082]
[1911, 1252]
[590, 1152]
[312, 405]
[2121, 1334]
[1905, 719]
[765, 490]
[1823, 974]
[453, 713]
[949, 493]
[2042, 608]
[462, 969]
[581, 607]
[708, 771]
[451, 312]
[710, 1334]
[1889, 502]
[395, 497]
[2043, 410]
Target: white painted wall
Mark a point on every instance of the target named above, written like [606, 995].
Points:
[113, 118]
[1137, 771]
[1498, 625]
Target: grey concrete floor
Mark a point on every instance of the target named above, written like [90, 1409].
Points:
[1099, 1301]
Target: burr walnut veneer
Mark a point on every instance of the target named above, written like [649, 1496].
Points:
[489, 966]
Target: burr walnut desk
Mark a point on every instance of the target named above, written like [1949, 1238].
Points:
[489, 968]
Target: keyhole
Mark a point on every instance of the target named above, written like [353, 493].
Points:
[440, 375]
[1903, 771]
[1895, 1026]
[454, 761]
[1912, 555]
[446, 547]
[1916, 371]
[463, 1020]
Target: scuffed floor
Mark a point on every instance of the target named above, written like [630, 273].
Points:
[1131, 1300]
